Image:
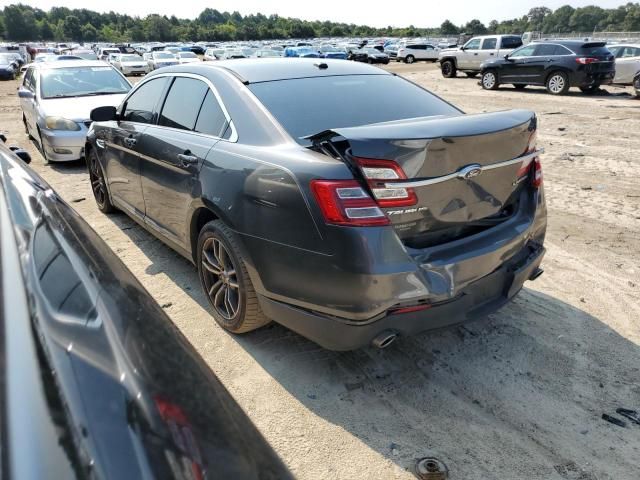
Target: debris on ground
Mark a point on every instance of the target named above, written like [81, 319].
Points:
[429, 468]
[630, 414]
[614, 420]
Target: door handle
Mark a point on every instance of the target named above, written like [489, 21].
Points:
[187, 159]
[475, 54]
[491, 54]
[130, 142]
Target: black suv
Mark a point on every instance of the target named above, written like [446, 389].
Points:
[556, 65]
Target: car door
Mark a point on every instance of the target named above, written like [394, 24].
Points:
[627, 64]
[189, 125]
[517, 69]
[467, 56]
[431, 53]
[487, 51]
[28, 104]
[122, 145]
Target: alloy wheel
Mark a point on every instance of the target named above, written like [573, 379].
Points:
[489, 80]
[556, 83]
[446, 68]
[97, 181]
[220, 278]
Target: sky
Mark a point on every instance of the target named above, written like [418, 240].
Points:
[420, 13]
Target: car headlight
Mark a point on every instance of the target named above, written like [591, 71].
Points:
[60, 123]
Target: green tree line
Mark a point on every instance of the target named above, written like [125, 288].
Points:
[25, 23]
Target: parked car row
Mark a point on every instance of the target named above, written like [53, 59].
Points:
[556, 65]
[97, 382]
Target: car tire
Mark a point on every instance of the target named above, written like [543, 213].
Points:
[590, 89]
[557, 83]
[409, 59]
[220, 267]
[99, 184]
[471, 74]
[519, 86]
[42, 151]
[26, 127]
[448, 69]
[489, 80]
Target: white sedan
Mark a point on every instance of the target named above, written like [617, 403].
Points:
[130, 64]
[57, 99]
[187, 57]
[627, 62]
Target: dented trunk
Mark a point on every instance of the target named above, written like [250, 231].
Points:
[458, 175]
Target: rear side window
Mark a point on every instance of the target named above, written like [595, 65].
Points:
[630, 52]
[211, 119]
[141, 104]
[489, 43]
[511, 42]
[345, 101]
[183, 103]
[28, 78]
[545, 50]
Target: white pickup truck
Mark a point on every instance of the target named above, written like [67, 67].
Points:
[472, 54]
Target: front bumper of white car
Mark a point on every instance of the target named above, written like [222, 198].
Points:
[64, 145]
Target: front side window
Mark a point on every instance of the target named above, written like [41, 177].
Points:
[473, 44]
[524, 52]
[183, 103]
[630, 52]
[141, 104]
[489, 43]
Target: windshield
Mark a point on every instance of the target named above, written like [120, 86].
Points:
[188, 55]
[109, 51]
[345, 101]
[163, 55]
[86, 55]
[81, 81]
[130, 58]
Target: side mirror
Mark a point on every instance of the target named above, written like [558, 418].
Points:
[24, 93]
[3, 137]
[462, 48]
[21, 154]
[506, 57]
[103, 114]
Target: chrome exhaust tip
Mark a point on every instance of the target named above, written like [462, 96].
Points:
[384, 339]
[536, 273]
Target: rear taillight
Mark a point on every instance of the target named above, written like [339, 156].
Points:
[536, 181]
[345, 202]
[586, 60]
[379, 174]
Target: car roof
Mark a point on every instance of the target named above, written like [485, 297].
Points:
[574, 43]
[253, 70]
[70, 63]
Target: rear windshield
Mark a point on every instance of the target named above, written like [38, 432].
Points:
[307, 106]
[596, 51]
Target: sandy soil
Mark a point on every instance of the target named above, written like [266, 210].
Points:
[516, 396]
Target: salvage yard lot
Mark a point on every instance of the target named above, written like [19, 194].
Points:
[518, 395]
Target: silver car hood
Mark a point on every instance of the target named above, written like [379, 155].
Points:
[78, 108]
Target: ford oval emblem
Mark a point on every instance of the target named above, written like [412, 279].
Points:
[473, 173]
[470, 171]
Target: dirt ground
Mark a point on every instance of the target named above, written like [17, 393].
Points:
[516, 396]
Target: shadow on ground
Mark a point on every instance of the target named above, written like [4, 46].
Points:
[534, 378]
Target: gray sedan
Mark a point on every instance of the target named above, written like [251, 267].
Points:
[57, 98]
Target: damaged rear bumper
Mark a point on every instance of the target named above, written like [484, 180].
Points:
[475, 300]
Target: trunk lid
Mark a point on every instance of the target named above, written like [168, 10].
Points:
[465, 171]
